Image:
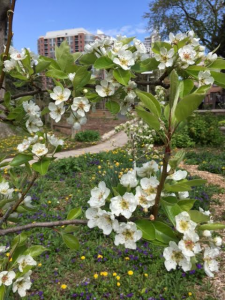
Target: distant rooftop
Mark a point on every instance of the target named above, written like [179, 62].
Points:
[66, 32]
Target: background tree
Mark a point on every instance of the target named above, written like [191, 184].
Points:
[205, 17]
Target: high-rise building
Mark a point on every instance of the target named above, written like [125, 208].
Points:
[77, 38]
[154, 37]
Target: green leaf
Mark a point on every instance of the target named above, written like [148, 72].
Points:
[20, 159]
[198, 217]
[148, 118]
[58, 74]
[53, 63]
[219, 64]
[171, 211]
[176, 159]
[103, 62]
[127, 40]
[174, 86]
[150, 102]
[70, 241]
[70, 229]
[45, 111]
[163, 232]
[212, 226]
[219, 78]
[187, 106]
[2, 292]
[158, 45]
[42, 165]
[170, 200]
[186, 204]
[113, 107]
[88, 59]
[148, 64]
[41, 66]
[186, 86]
[195, 182]
[122, 76]
[35, 251]
[74, 213]
[147, 228]
[20, 239]
[177, 187]
[81, 78]
[7, 99]
[63, 56]
[17, 75]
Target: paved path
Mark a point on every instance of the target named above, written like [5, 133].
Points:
[116, 141]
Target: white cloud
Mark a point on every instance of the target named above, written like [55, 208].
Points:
[129, 30]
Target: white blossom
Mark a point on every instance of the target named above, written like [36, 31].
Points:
[71, 76]
[80, 105]
[125, 59]
[178, 175]
[22, 284]
[23, 146]
[99, 195]
[56, 111]
[175, 39]
[33, 124]
[165, 58]
[188, 244]
[39, 149]
[217, 240]
[205, 78]
[27, 201]
[149, 168]
[3, 249]
[143, 199]
[149, 185]
[76, 120]
[174, 256]
[128, 235]
[123, 205]
[92, 214]
[129, 179]
[25, 260]
[31, 108]
[18, 55]
[207, 233]
[5, 190]
[105, 89]
[107, 222]
[187, 55]
[54, 141]
[9, 65]
[6, 278]
[60, 95]
[183, 195]
[211, 56]
[184, 224]
[210, 264]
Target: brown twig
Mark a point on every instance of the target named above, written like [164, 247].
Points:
[41, 224]
[15, 206]
[9, 38]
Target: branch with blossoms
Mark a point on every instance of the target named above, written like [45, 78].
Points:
[187, 74]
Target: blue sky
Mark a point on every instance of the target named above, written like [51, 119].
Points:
[34, 18]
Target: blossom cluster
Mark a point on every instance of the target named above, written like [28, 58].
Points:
[18, 279]
[191, 53]
[140, 135]
[185, 253]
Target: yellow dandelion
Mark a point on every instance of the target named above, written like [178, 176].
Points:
[130, 273]
[63, 286]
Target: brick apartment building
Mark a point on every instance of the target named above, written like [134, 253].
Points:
[77, 38]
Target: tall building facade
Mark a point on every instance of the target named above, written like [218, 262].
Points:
[77, 38]
[150, 40]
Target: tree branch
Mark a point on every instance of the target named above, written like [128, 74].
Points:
[42, 224]
[9, 38]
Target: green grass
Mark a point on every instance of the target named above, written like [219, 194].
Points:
[67, 185]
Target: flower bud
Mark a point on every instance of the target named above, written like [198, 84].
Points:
[218, 241]
[85, 91]
[152, 218]
[41, 138]
[207, 233]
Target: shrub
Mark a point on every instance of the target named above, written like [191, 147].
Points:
[182, 139]
[87, 136]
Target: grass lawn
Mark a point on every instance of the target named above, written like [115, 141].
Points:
[99, 269]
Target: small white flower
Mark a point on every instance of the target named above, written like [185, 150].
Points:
[129, 179]
[187, 54]
[33, 124]
[107, 222]
[80, 105]
[23, 146]
[6, 278]
[149, 185]
[148, 169]
[188, 245]
[125, 59]
[205, 78]
[123, 205]
[183, 195]
[128, 235]
[3, 249]
[92, 214]
[18, 55]
[9, 65]
[5, 190]
[105, 89]
[33, 139]
[118, 46]
[25, 260]
[31, 108]
[218, 241]
[184, 223]
[99, 195]
[22, 284]
[54, 141]
[39, 149]
[174, 256]
[27, 201]
[76, 120]
[56, 111]
[165, 57]
[210, 264]
[175, 39]
[143, 199]
[71, 76]
[60, 95]
[205, 212]
[178, 175]
[211, 56]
